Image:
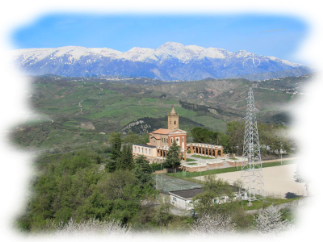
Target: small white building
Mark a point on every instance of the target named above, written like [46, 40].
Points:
[184, 198]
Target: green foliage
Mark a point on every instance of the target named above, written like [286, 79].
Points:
[203, 135]
[173, 159]
[271, 135]
[143, 170]
[304, 174]
[125, 161]
[115, 140]
[235, 131]
[74, 185]
[213, 188]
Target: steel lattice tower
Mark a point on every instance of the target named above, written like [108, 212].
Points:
[252, 169]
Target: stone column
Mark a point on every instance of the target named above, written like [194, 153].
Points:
[216, 153]
[221, 152]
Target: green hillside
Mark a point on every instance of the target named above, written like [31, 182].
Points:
[84, 111]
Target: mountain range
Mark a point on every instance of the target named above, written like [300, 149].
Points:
[171, 61]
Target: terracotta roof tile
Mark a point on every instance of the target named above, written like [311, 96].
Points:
[162, 131]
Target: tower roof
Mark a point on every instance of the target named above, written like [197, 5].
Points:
[173, 111]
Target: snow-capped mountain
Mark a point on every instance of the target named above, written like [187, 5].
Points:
[171, 61]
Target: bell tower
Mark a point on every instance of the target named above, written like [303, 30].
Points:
[173, 120]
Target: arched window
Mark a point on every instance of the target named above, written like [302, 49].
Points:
[174, 122]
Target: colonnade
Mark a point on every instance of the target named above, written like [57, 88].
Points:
[207, 150]
[161, 153]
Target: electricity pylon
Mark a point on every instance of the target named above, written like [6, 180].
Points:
[251, 175]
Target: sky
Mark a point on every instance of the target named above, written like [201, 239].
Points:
[269, 35]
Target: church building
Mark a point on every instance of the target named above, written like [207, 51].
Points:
[161, 139]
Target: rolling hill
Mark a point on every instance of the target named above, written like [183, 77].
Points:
[78, 112]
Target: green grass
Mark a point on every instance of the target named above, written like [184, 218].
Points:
[32, 121]
[224, 170]
[189, 159]
[202, 157]
[266, 202]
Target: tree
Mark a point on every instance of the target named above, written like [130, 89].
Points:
[207, 224]
[143, 170]
[90, 227]
[213, 188]
[271, 135]
[203, 135]
[115, 140]
[125, 161]
[235, 131]
[304, 174]
[270, 220]
[163, 215]
[173, 159]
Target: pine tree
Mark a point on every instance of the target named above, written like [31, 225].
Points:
[173, 159]
[125, 161]
[143, 170]
[304, 174]
[115, 140]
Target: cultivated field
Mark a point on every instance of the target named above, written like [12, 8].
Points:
[278, 180]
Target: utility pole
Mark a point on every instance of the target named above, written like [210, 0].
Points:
[251, 175]
[281, 153]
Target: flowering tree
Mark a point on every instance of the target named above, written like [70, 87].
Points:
[91, 227]
[270, 220]
[208, 224]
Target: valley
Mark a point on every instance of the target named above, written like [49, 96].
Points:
[82, 112]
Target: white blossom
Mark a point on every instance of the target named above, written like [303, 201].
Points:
[91, 227]
[217, 224]
[269, 220]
